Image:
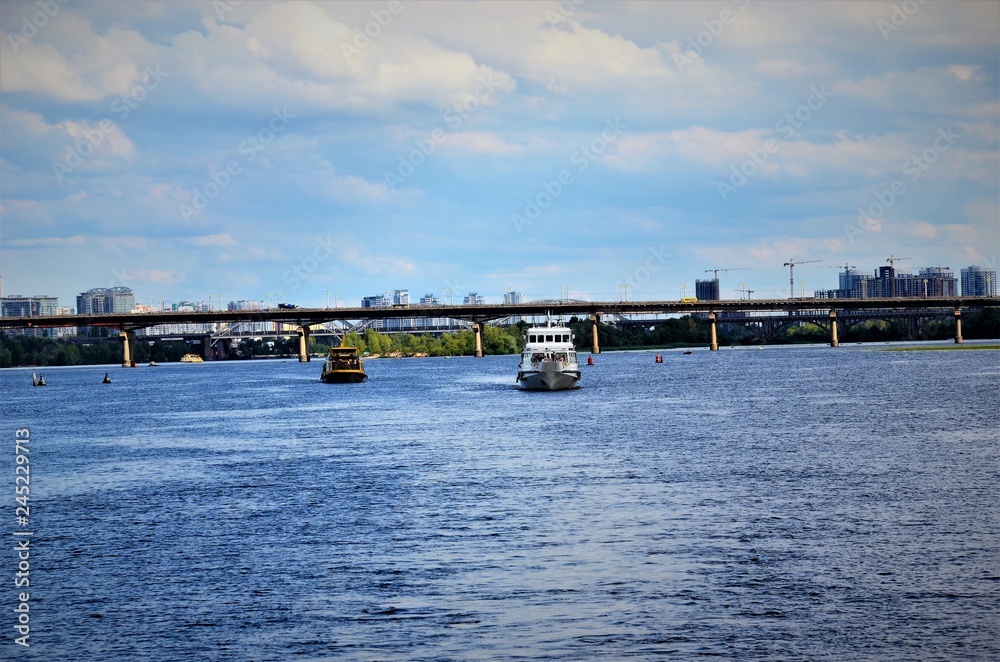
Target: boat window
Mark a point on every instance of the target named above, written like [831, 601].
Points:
[531, 338]
[548, 338]
[566, 338]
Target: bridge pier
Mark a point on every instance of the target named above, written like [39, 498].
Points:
[127, 339]
[958, 327]
[303, 332]
[714, 345]
[596, 347]
[834, 342]
[477, 331]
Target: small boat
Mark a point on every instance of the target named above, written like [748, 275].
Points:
[192, 358]
[107, 379]
[687, 351]
[548, 362]
[343, 366]
[154, 364]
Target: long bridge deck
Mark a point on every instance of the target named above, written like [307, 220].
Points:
[304, 318]
[483, 313]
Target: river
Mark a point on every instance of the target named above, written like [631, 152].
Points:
[799, 503]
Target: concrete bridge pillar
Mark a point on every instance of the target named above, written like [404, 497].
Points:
[127, 339]
[206, 349]
[834, 342]
[596, 348]
[303, 344]
[958, 327]
[714, 345]
[477, 331]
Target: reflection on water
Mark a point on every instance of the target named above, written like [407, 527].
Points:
[804, 503]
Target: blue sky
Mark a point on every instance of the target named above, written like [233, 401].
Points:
[238, 148]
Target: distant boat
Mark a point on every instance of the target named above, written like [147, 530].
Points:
[343, 366]
[107, 379]
[192, 358]
[549, 360]
[154, 364]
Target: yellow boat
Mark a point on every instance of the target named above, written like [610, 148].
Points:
[343, 366]
[191, 358]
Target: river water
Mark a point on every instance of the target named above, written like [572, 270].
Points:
[802, 503]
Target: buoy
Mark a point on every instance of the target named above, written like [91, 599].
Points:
[659, 358]
[590, 360]
[107, 379]
[37, 382]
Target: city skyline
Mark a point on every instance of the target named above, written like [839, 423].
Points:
[973, 280]
[555, 149]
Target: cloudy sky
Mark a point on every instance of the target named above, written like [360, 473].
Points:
[245, 148]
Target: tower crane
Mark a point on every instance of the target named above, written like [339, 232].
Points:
[716, 271]
[791, 274]
[892, 265]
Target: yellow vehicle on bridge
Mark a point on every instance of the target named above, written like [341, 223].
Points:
[689, 300]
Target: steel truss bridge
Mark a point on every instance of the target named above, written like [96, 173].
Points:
[766, 313]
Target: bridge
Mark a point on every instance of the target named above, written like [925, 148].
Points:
[304, 318]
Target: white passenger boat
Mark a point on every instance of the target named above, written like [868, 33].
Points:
[548, 362]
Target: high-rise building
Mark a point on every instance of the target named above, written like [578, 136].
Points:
[105, 300]
[18, 305]
[512, 298]
[979, 282]
[376, 301]
[401, 297]
[707, 290]
[937, 282]
[245, 304]
[474, 299]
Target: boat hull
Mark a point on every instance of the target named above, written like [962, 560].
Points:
[344, 377]
[548, 380]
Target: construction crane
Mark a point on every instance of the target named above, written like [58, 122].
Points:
[892, 280]
[791, 274]
[716, 271]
